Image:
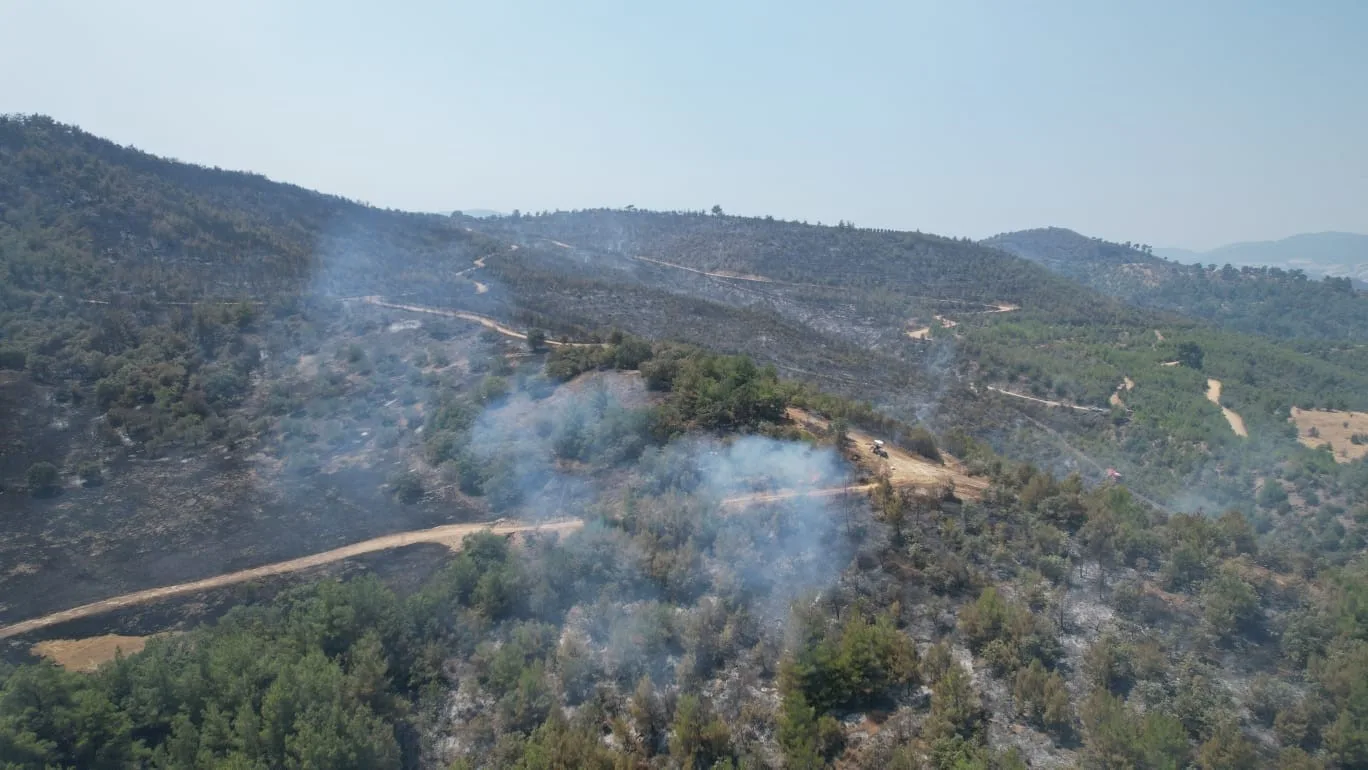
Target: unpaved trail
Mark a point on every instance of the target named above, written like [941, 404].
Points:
[770, 497]
[485, 321]
[1213, 394]
[449, 535]
[1127, 384]
[996, 307]
[924, 333]
[1045, 401]
[719, 274]
[904, 468]
[1158, 335]
[992, 307]
[562, 245]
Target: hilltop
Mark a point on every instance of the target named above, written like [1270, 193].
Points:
[1256, 298]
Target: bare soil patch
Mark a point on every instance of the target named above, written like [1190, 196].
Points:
[1318, 427]
[88, 654]
[904, 468]
[1213, 395]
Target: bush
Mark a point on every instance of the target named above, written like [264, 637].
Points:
[43, 479]
[90, 474]
[1230, 605]
[407, 487]
[856, 666]
[12, 358]
[536, 340]
[1006, 633]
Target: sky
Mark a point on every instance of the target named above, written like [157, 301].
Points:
[1187, 124]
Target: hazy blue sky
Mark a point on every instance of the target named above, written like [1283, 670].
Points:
[1176, 123]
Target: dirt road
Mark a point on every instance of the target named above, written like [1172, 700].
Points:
[1127, 384]
[1213, 395]
[718, 274]
[485, 321]
[904, 468]
[1046, 402]
[449, 535]
[771, 497]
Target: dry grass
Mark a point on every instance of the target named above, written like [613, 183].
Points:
[89, 654]
[1318, 427]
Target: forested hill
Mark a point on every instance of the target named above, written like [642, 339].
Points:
[780, 251]
[1261, 300]
[1332, 253]
[87, 217]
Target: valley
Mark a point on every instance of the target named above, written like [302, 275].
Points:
[287, 480]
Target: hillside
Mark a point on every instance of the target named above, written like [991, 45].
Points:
[1318, 254]
[369, 489]
[1255, 299]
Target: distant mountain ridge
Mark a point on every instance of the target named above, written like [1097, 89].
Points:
[1268, 300]
[1328, 253]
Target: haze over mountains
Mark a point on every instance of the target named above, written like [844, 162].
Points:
[1331, 253]
[1262, 299]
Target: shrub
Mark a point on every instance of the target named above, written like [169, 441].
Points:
[856, 666]
[536, 340]
[407, 487]
[12, 358]
[90, 474]
[43, 479]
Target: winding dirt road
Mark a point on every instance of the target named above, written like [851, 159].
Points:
[485, 321]
[449, 535]
[1213, 395]
[1046, 402]
[773, 497]
[719, 274]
